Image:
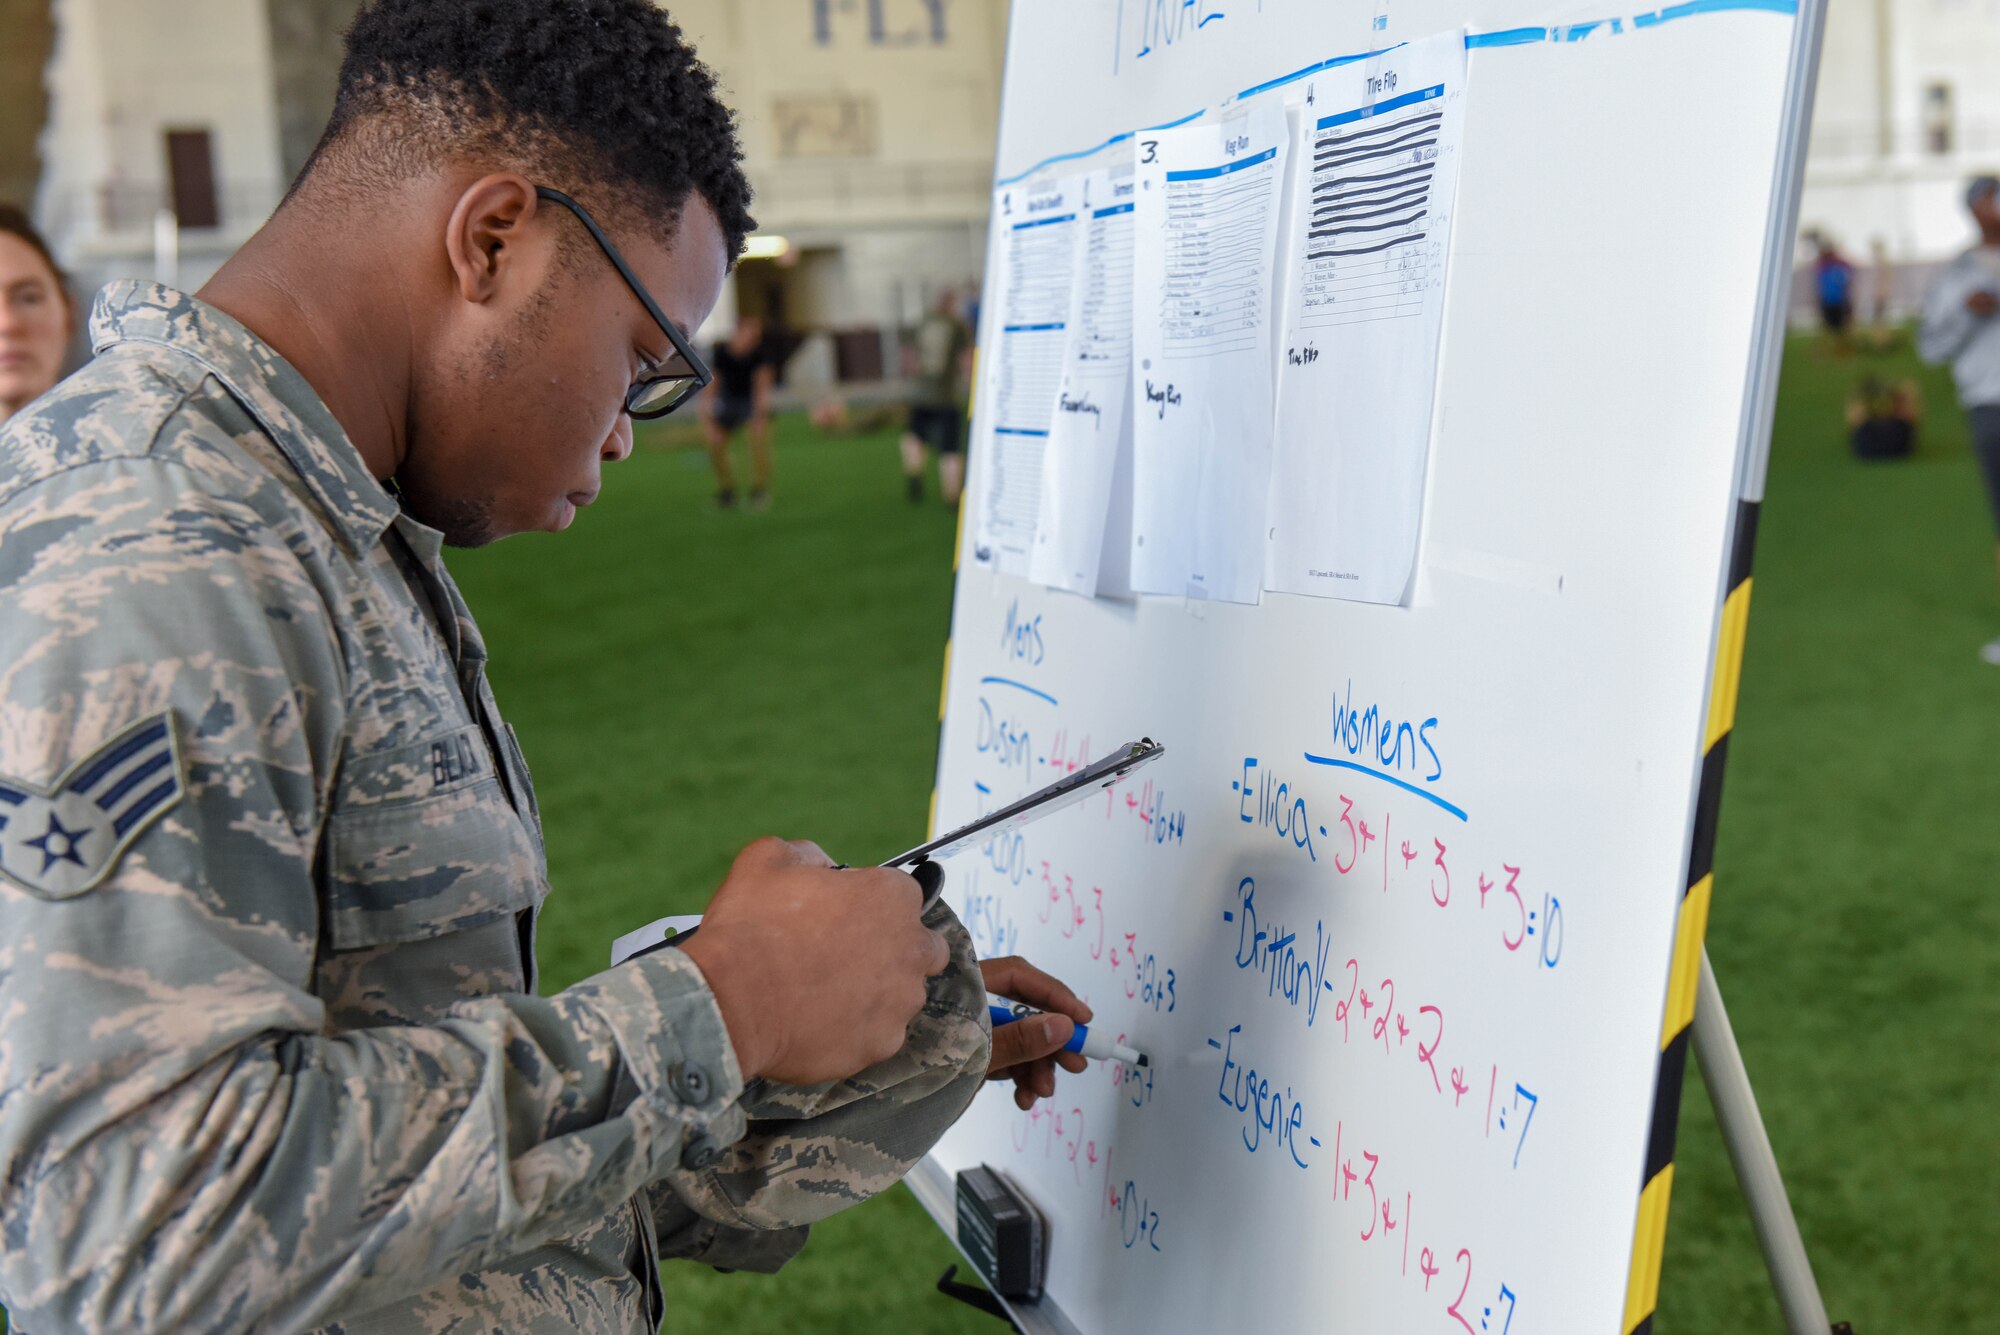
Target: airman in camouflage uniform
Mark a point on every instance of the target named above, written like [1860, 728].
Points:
[270, 1051]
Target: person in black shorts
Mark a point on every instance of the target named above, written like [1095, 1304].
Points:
[936, 426]
[745, 373]
[936, 356]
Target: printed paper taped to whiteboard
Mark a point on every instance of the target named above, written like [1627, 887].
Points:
[1032, 287]
[1207, 223]
[1090, 418]
[1378, 154]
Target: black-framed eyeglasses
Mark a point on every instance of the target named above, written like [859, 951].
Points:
[659, 392]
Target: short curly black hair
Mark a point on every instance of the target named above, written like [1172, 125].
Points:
[603, 98]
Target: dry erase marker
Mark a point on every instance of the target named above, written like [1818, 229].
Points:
[1094, 1046]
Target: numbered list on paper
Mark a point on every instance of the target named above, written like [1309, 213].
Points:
[1207, 219]
[1090, 423]
[1036, 235]
[1378, 153]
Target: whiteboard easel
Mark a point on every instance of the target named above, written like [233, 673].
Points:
[1750, 409]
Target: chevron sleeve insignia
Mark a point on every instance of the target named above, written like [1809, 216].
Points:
[59, 842]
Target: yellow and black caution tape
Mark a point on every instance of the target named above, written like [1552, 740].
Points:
[1649, 1235]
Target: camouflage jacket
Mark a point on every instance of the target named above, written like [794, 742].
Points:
[271, 1056]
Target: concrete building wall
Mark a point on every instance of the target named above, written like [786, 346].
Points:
[305, 66]
[859, 111]
[27, 34]
[124, 74]
[1908, 107]
[868, 124]
[868, 130]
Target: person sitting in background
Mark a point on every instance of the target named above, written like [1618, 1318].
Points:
[1882, 418]
[937, 357]
[1959, 327]
[35, 316]
[745, 373]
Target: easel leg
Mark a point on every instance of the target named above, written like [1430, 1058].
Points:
[973, 1296]
[1756, 1167]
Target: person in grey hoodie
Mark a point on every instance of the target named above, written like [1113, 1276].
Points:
[1960, 327]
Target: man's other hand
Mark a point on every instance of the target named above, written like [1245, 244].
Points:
[818, 972]
[1028, 1051]
[1982, 303]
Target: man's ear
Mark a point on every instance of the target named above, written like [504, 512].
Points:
[485, 237]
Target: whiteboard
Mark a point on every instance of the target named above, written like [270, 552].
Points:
[1421, 1098]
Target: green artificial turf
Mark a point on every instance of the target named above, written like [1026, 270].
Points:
[1855, 931]
[684, 680]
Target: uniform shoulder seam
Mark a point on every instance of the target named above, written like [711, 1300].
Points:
[236, 511]
[30, 481]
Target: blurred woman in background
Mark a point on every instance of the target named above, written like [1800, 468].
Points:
[36, 319]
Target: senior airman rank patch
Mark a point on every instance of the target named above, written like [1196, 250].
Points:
[61, 841]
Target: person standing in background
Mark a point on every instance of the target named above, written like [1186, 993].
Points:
[937, 358]
[1959, 327]
[1882, 300]
[36, 320]
[1833, 281]
[745, 373]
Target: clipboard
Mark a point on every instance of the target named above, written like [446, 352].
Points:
[1063, 793]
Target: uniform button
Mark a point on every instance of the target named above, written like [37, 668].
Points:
[690, 1082]
[701, 1151]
